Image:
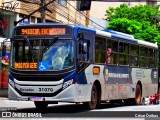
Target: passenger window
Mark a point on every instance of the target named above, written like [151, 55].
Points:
[151, 58]
[123, 53]
[134, 55]
[112, 52]
[100, 47]
[143, 57]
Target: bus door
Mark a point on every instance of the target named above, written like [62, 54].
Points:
[83, 46]
[83, 49]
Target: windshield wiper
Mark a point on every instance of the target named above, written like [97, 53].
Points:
[47, 47]
[29, 44]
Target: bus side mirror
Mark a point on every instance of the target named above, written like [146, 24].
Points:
[3, 50]
[85, 48]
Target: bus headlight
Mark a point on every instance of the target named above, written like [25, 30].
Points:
[11, 82]
[67, 83]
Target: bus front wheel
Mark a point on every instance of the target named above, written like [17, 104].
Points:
[41, 105]
[94, 99]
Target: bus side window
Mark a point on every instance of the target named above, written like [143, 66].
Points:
[83, 50]
[151, 58]
[143, 56]
[123, 53]
[109, 59]
[112, 52]
[100, 48]
[134, 55]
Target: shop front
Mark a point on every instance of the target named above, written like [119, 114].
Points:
[6, 25]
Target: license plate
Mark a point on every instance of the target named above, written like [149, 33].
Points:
[36, 99]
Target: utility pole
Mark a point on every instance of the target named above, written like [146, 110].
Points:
[43, 11]
[51, 1]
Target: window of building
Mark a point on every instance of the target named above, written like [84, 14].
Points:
[62, 2]
[38, 20]
[21, 16]
[32, 19]
[83, 5]
[112, 52]
[100, 48]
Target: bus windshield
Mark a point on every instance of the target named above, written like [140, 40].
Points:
[55, 54]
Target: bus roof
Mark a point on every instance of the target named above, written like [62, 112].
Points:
[39, 24]
[119, 33]
[108, 33]
[126, 38]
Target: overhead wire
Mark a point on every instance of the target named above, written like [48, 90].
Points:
[65, 15]
[85, 16]
[68, 17]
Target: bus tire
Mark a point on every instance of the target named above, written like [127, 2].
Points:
[94, 99]
[138, 95]
[41, 105]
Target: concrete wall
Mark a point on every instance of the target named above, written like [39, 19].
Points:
[101, 23]
[98, 11]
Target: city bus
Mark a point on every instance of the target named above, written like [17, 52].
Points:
[55, 62]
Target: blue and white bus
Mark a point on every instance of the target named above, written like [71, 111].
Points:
[53, 63]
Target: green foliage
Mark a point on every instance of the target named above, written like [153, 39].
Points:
[140, 21]
[125, 25]
[139, 13]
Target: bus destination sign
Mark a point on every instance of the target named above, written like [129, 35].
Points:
[42, 31]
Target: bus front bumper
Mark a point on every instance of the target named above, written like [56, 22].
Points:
[73, 93]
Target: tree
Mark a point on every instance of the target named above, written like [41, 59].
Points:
[140, 21]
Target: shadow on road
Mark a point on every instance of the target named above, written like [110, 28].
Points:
[69, 108]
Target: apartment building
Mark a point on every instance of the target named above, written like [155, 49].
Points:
[58, 11]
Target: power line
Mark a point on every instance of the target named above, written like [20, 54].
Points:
[16, 22]
[71, 19]
[29, 1]
[85, 16]
[68, 17]
[64, 16]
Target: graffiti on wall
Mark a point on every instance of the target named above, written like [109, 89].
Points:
[9, 6]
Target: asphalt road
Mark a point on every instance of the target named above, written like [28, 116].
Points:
[70, 110]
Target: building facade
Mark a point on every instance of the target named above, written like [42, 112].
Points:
[58, 11]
